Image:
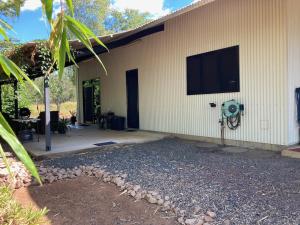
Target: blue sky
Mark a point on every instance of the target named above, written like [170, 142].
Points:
[30, 25]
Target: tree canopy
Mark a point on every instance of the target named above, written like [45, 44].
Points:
[103, 19]
[129, 19]
[8, 8]
[93, 13]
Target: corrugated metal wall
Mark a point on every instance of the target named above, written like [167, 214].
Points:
[257, 26]
[293, 65]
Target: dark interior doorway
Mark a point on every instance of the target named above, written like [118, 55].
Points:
[132, 87]
[91, 100]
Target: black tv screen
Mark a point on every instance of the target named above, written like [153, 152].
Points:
[214, 72]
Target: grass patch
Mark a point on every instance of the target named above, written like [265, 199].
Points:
[65, 109]
[12, 213]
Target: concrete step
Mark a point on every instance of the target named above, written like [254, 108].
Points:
[293, 152]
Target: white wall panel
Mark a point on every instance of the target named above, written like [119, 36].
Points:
[257, 26]
[293, 15]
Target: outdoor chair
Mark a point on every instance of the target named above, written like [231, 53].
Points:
[54, 121]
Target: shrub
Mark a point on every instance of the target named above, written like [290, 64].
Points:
[12, 213]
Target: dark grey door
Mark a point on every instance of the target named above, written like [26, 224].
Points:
[88, 104]
[132, 86]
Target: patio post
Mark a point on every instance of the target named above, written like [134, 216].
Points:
[47, 114]
[16, 99]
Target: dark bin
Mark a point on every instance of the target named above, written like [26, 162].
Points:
[25, 135]
[118, 123]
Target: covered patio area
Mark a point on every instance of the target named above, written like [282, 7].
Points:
[87, 138]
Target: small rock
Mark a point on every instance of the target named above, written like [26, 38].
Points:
[208, 219]
[160, 201]
[167, 203]
[190, 221]
[180, 220]
[43, 170]
[50, 179]
[200, 222]
[119, 182]
[77, 173]
[182, 212]
[152, 200]
[197, 209]
[211, 214]
[124, 175]
[98, 174]
[132, 193]
[226, 222]
[136, 188]
[138, 196]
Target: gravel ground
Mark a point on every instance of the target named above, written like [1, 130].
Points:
[252, 187]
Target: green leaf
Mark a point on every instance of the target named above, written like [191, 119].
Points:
[10, 67]
[62, 54]
[48, 8]
[70, 6]
[5, 161]
[17, 4]
[84, 38]
[5, 124]
[5, 25]
[3, 34]
[68, 50]
[86, 30]
[19, 150]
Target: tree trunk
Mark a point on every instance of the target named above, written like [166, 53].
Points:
[58, 106]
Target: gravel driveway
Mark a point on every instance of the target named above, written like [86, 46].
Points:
[250, 187]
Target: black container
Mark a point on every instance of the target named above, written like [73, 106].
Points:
[118, 123]
[25, 135]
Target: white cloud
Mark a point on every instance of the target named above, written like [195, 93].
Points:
[154, 7]
[195, 1]
[32, 5]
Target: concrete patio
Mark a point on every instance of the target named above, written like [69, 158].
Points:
[84, 139]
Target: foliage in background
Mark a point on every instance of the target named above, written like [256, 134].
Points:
[127, 20]
[64, 112]
[92, 13]
[61, 90]
[8, 8]
[103, 19]
[12, 213]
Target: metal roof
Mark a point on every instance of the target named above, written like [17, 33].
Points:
[113, 40]
[117, 36]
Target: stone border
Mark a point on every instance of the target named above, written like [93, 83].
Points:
[20, 176]
[165, 204]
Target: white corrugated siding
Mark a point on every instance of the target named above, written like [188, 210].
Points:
[257, 26]
[293, 66]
